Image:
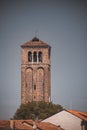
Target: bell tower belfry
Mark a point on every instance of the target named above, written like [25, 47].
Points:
[35, 71]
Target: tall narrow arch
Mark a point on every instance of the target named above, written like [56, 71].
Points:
[35, 56]
[49, 52]
[29, 56]
[40, 84]
[40, 56]
[29, 83]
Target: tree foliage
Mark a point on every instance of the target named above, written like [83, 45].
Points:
[40, 110]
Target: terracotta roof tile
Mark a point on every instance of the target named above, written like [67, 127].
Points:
[4, 124]
[46, 126]
[81, 115]
[27, 125]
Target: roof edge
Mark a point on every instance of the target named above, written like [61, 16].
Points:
[35, 42]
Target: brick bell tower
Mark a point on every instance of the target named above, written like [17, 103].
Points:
[35, 71]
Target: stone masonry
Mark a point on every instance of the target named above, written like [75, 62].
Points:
[35, 71]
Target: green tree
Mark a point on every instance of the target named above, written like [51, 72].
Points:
[40, 110]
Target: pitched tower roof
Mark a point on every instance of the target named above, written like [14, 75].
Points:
[35, 42]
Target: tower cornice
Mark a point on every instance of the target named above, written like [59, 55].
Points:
[35, 42]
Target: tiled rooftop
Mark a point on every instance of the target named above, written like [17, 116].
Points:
[81, 115]
[4, 124]
[28, 125]
[35, 42]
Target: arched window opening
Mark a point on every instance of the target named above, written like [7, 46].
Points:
[49, 53]
[34, 97]
[34, 87]
[40, 57]
[29, 56]
[35, 57]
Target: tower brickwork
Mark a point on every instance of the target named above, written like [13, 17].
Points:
[35, 71]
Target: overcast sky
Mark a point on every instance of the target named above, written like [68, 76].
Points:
[60, 23]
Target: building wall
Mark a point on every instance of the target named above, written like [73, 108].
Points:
[66, 120]
[35, 76]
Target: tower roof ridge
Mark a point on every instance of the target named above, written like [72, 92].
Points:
[36, 42]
